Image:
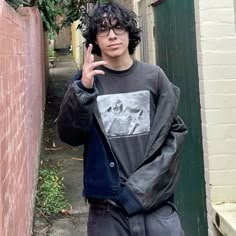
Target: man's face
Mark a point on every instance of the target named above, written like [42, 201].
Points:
[112, 39]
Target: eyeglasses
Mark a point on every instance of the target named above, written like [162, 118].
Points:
[104, 31]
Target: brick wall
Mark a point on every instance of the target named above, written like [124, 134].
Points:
[216, 45]
[21, 109]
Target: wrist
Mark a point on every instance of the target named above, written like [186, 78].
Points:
[81, 86]
[86, 84]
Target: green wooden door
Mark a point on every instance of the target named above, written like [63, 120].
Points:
[176, 54]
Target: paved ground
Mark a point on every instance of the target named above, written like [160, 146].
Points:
[54, 151]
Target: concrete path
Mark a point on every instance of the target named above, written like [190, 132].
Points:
[54, 151]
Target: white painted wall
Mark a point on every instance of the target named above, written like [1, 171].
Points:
[216, 47]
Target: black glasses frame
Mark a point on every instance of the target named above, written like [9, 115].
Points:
[114, 28]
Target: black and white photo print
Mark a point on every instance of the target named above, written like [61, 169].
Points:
[125, 114]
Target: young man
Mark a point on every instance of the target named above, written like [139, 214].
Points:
[125, 113]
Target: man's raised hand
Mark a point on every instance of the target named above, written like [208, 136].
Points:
[89, 70]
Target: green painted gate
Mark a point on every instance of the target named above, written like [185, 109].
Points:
[176, 54]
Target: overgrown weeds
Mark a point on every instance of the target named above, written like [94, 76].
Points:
[50, 198]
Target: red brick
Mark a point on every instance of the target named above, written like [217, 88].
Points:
[1, 213]
[3, 145]
[1, 94]
[2, 65]
[20, 117]
[4, 26]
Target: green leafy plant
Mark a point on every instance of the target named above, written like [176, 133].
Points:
[49, 11]
[71, 10]
[52, 35]
[50, 197]
[51, 52]
[76, 10]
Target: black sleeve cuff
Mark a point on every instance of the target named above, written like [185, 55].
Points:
[81, 86]
[129, 202]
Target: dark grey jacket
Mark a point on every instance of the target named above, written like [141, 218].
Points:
[154, 181]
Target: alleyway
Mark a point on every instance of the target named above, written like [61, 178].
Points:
[54, 151]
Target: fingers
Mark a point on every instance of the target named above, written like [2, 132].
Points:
[96, 64]
[89, 59]
[97, 72]
[89, 68]
[88, 54]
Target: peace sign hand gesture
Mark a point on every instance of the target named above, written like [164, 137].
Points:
[89, 70]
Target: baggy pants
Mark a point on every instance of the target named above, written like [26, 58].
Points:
[109, 220]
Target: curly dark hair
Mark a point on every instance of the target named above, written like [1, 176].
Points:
[112, 11]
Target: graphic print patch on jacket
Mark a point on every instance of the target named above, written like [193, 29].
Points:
[125, 114]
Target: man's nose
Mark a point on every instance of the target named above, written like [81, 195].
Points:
[112, 34]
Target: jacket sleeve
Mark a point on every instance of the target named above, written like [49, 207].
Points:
[76, 112]
[154, 182]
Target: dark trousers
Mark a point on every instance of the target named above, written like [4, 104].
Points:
[109, 220]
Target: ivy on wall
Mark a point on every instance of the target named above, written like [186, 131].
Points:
[71, 10]
[50, 10]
